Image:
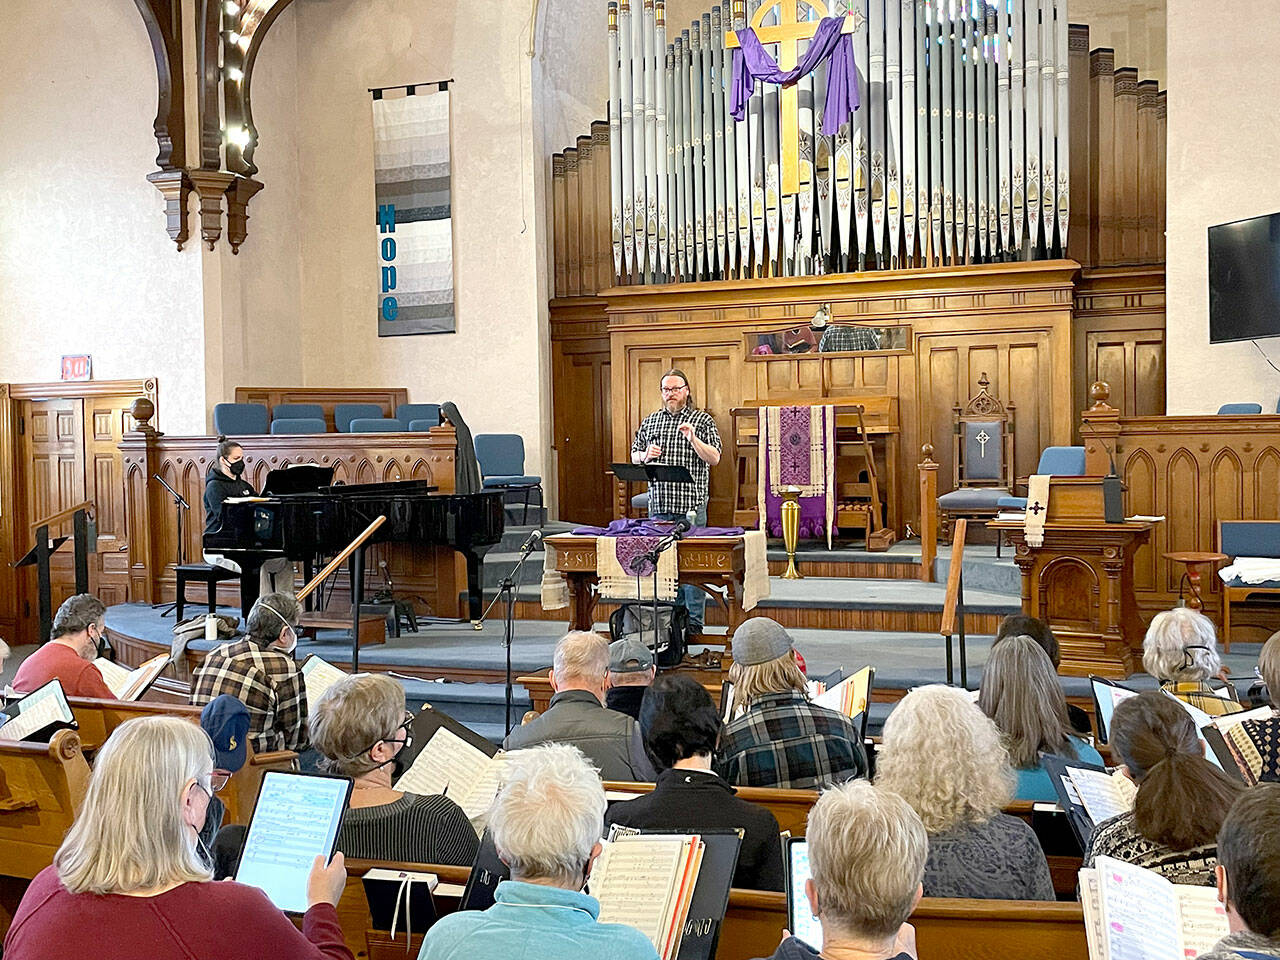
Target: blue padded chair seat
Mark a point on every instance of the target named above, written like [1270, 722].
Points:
[297, 411]
[344, 413]
[298, 425]
[1229, 409]
[1265, 585]
[422, 426]
[239, 419]
[1012, 503]
[972, 498]
[513, 481]
[376, 425]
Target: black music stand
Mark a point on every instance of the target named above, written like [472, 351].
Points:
[38, 557]
[180, 505]
[651, 473]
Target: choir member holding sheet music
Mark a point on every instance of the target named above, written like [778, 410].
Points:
[1021, 693]
[1248, 876]
[1180, 649]
[1181, 798]
[130, 880]
[546, 824]
[76, 638]
[360, 726]
[945, 757]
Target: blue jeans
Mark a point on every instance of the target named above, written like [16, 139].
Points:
[690, 597]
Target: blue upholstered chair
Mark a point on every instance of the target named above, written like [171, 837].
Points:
[1246, 538]
[422, 426]
[501, 457]
[344, 413]
[297, 411]
[412, 413]
[982, 459]
[375, 425]
[239, 419]
[1055, 461]
[298, 425]
[1235, 409]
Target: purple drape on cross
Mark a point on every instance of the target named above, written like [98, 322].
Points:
[752, 63]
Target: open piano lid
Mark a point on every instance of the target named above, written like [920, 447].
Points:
[299, 478]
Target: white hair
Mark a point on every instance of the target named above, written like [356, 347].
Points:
[867, 850]
[129, 834]
[580, 655]
[4, 650]
[549, 814]
[1164, 648]
[945, 757]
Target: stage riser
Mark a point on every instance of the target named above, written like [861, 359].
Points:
[826, 568]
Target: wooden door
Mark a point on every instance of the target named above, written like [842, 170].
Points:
[582, 433]
[51, 478]
[106, 419]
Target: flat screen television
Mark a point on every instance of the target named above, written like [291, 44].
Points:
[1244, 279]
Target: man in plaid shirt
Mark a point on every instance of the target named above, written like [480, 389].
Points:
[259, 670]
[679, 434]
[782, 740]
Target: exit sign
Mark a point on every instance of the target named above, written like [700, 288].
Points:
[77, 368]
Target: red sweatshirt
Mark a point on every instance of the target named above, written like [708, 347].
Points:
[79, 677]
[195, 921]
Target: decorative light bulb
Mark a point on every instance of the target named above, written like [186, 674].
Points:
[235, 74]
[233, 37]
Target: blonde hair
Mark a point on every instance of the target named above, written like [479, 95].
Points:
[1164, 648]
[549, 814]
[761, 679]
[945, 757]
[1268, 667]
[580, 655]
[1022, 694]
[867, 851]
[129, 834]
[351, 717]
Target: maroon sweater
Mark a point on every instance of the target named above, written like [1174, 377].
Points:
[195, 921]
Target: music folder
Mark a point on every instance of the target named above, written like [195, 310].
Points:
[651, 473]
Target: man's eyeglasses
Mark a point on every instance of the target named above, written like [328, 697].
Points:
[683, 386]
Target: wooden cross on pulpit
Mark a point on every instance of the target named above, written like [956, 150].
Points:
[788, 33]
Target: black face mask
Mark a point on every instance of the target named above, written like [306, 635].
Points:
[237, 468]
[99, 643]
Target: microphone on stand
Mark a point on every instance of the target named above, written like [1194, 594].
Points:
[531, 542]
[1112, 488]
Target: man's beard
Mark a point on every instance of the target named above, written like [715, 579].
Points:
[674, 406]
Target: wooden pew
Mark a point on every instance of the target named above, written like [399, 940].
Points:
[946, 929]
[41, 788]
[98, 718]
[790, 807]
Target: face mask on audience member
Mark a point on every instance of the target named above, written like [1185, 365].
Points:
[402, 744]
[235, 468]
[99, 640]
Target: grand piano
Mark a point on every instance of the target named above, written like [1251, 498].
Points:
[312, 519]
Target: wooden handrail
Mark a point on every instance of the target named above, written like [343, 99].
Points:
[953, 579]
[337, 561]
[928, 471]
[62, 515]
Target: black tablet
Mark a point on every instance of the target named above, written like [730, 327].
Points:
[296, 819]
[800, 919]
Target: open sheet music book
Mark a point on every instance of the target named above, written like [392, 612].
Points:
[646, 881]
[38, 715]
[132, 684]
[850, 695]
[318, 676]
[1088, 794]
[1131, 913]
[454, 762]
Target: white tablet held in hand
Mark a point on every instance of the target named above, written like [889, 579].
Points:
[296, 819]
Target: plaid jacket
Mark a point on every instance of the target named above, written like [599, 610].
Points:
[663, 429]
[785, 741]
[268, 682]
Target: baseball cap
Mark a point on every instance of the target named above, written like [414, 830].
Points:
[629, 655]
[226, 720]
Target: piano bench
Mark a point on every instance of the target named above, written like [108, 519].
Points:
[373, 626]
[205, 573]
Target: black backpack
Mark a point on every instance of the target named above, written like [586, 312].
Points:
[636, 620]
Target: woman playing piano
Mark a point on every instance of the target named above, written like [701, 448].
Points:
[224, 481]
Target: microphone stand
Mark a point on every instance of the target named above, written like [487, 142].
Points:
[507, 589]
[179, 504]
[651, 556]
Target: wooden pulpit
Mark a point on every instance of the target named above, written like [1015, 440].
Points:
[1080, 580]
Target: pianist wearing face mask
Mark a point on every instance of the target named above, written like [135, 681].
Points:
[361, 729]
[225, 481]
[259, 669]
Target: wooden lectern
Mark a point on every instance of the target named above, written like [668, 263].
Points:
[1080, 580]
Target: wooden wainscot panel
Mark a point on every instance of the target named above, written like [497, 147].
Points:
[1193, 471]
[1118, 337]
[1011, 321]
[387, 397]
[581, 396]
[416, 569]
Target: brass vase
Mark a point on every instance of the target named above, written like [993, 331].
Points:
[791, 530]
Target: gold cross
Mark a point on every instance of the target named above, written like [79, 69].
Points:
[787, 34]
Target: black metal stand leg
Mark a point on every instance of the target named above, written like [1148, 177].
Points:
[964, 670]
[44, 582]
[357, 599]
[80, 525]
[508, 638]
